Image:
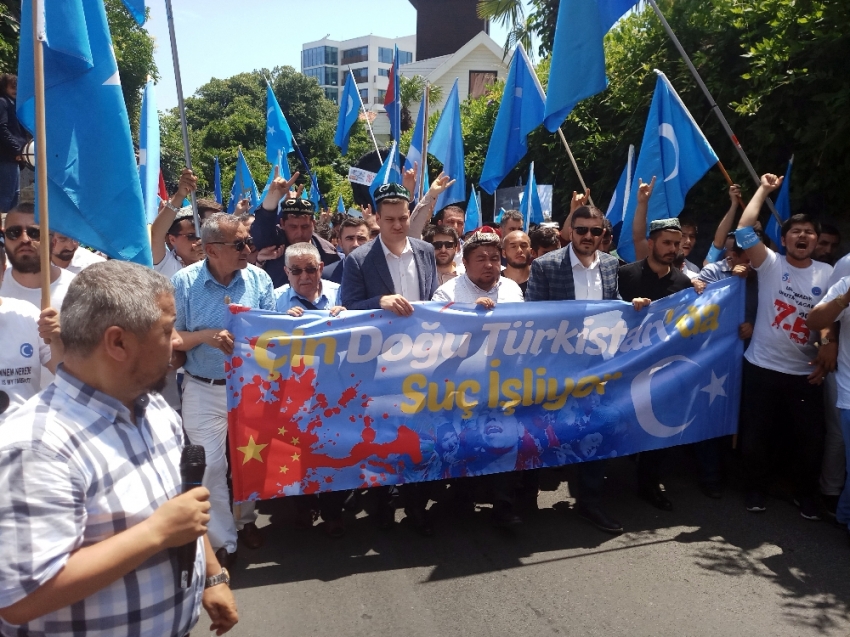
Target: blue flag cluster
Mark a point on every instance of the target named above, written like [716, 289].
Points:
[520, 112]
[94, 193]
[675, 152]
[447, 146]
[366, 400]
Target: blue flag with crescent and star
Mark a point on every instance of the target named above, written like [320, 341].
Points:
[243, 185]
[278, 133]
[675, 152]
[149, 152]
[447, 146]
[94, 193]
[783, 207]
[520, 112]
[577, 68]
[349, 111]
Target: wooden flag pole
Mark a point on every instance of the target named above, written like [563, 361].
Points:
[575, 165]
[181, 107]
[41, 156]
[423, 169]
[714, 107]
[729, 181]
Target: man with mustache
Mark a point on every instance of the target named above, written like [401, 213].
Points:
[66, 253]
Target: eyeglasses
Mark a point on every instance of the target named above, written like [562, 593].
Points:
[583, 230]
[16, 232]
[239, 246]
[439, 245]
[297, 271]
[192, 237]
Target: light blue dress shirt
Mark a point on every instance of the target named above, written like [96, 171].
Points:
[287, 298]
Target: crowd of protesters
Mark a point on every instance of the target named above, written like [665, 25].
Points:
[127, 346]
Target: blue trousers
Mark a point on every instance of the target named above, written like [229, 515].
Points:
[843, 512]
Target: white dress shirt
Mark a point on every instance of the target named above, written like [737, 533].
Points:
[587, 280]
[403, 271]
[462, 290]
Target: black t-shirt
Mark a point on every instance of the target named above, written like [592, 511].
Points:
[637, 280]
[522, 286]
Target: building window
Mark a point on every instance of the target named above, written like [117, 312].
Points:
[319, 55]
[405, 57]
[364, 95]
[383, 72]
[352, 56]
[332, 94]
[361, 75]
[385, 55]
[381, 96]
[325, 75]
[479, 81]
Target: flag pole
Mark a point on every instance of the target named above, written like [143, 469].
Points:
[240, 175]
[181, 107]
[41, 156]
[714, 107]
[423, 169]
[365, 114]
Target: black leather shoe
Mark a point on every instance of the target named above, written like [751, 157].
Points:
[655, 496]
[385, 517]
[504, 516]
[598, 518]
[420, 521]
[225, 559]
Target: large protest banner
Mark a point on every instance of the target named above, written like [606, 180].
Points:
[369, 398]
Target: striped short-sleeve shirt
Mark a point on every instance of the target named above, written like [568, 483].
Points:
[75, 470]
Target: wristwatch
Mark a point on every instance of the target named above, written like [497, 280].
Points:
[171, 207]
[826, 340]
[215, 580]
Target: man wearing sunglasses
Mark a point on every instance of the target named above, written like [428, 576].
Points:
[202, 293]
[579, 272]
[23, 281]
[446, 246]
[174, 242]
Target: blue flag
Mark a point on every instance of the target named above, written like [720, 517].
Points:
[520, 112]
[673, 150]
[283, 171]
[392, 100]
[414, 153]
[340, 205]
[783, 207]
[390, 173]
[149, 152]
[578, 58]
[620, 200]
[498, 217]
[136, 9]
[278, 133]
[447, 146]
[315, 198]
[473, 213]
[94, 193]
[349, 111]
[243, 185]
[217, 183]
[530, 207]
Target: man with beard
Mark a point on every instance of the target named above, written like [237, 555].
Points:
[445, 241]
[353, 233]
[782, 400]
[580, 272]
[202, 294]
[91, 500]
[516, 250]
[67, 255]
[23, 280]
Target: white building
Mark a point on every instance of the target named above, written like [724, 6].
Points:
[369, 58]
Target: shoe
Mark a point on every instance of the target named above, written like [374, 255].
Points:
[504, 516]
[598, 518]
[335, 528]
[250, 536]
[655, 496]
[225, 559]
[754, 501]
[711, 490]
[385, 517]
[809, 508]
[830, 505]
[304, 519]
[420, 521]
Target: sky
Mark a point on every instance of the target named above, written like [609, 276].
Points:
[220, 38]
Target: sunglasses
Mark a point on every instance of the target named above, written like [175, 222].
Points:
[192, 237]
[583, 230]
[439, 245]
[16, 232]
[239, 246]
[297, 271]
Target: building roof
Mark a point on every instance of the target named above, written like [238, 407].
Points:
[434, 68]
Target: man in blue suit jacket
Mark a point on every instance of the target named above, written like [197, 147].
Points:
[392, 272]
[581, 272]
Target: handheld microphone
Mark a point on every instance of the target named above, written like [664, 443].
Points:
[193, 463]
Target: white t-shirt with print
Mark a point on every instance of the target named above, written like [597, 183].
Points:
[82, 259]
[842, 373]
[11, 289]
[22, 352]
[781, 341]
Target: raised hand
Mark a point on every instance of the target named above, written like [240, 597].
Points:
[645, 190]
[242, 207]
[188, 184]
[408, 180]
[441, 183]
[770, 182]
[735, 194]
[278, 189]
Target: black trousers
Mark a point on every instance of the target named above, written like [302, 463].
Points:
[781, 414]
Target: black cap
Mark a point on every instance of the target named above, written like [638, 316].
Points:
[391, 191]
[295, 206]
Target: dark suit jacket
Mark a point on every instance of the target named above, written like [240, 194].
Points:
[366, 276]
[552, 277]
[333, 272]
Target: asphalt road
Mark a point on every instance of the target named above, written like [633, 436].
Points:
[706, 568]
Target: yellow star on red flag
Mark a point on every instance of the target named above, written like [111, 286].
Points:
[252, 451]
